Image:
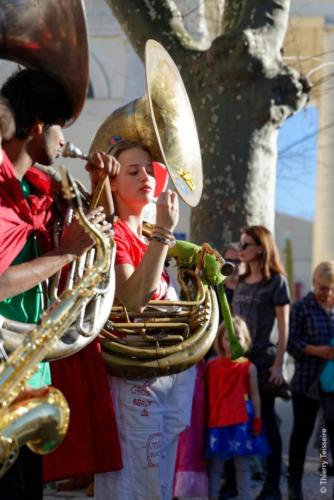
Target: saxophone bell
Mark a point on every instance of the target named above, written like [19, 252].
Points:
[18, 426]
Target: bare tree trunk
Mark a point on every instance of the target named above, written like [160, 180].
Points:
[241, 92]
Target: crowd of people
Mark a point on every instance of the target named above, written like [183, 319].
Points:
[201, 427]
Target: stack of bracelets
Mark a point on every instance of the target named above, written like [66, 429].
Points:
[162, 235]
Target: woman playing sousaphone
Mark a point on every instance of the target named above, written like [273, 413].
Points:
[150, 412]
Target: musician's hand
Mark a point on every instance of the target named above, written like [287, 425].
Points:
[75, 239]
[167, 210]
[7, 123]
[102, 163]
[98, 218]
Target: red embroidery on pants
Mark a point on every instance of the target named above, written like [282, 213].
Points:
[153, 449]
[144, 403]
[140, 390]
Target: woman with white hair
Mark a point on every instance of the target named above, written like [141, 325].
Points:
[311, 331]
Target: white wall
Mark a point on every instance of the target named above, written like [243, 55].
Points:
[299, 231]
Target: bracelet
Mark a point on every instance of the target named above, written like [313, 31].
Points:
[162, 229]
[170, 242]
[161, 234]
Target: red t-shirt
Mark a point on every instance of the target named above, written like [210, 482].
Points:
[23, 216]
[227, 384]
[130, 250]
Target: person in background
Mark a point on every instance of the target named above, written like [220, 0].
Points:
[234, 412]
[230, 254]
[262, 299]
[311, 331]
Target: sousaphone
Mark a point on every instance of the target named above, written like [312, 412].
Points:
[169, 336]
[51, 36]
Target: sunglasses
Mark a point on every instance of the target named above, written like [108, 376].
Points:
[243, 246]
[236, 262]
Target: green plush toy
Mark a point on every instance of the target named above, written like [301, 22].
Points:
[187, 256]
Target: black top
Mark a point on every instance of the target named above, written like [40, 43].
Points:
[256, 303]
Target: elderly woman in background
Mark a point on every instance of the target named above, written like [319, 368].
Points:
[311, 332]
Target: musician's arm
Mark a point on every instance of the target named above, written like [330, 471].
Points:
[75, 241]
[22, 277]
[135, 287]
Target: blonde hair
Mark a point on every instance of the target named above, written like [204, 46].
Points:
[325, 270]
[240, 328]
[124, 145]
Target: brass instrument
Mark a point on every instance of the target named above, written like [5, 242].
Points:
[95, 310]
[42, 422]
[163, 121]
[51, 36]
[169, 336]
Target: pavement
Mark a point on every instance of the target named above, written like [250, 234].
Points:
[316, 486]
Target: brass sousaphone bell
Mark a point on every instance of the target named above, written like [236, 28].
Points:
[168, 336]
[50, 36]
[163, 121]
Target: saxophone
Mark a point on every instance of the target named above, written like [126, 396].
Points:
[42, 422]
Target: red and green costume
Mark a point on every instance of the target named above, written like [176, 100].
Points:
[27, 210]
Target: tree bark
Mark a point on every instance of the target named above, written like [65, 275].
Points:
[241, 92]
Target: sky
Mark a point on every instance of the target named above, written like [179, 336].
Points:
[296, 167]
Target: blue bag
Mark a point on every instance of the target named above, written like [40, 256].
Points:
[327, 374]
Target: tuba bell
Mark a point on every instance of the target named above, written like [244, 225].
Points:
[163, 121]
[169, 336]
[51, 36]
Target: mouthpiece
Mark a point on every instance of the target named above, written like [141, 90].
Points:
[71, 151]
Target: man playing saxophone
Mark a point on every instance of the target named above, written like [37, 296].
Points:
[33, 110]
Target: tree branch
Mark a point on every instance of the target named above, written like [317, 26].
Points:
[176, 24]
[157, 19]
[268, 17]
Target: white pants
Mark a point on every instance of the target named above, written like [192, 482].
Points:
[150, 415]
